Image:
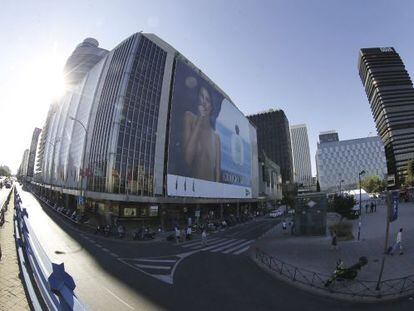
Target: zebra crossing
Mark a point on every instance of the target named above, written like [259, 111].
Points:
[229, 246]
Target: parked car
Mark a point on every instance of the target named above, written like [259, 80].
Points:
[276, 213]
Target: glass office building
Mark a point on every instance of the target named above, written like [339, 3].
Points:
[123, 131]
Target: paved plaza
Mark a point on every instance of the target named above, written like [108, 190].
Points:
[315, 253]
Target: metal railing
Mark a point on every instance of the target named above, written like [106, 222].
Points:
[356, 288]
[54, 284]
[3, 208]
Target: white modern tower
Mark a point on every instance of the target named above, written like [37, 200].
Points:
[301, 155]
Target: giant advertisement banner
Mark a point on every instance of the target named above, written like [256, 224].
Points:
[210, 152]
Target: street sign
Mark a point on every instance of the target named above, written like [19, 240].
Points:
[81, 200]
[393, 214]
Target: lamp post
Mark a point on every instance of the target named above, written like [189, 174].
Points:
[84, 151]
[359, 179]
[340, 186]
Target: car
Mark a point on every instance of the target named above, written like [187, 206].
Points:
[276, 213]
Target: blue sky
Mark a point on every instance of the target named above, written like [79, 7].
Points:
[299, 56]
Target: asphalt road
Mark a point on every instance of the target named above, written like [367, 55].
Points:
[125, 275]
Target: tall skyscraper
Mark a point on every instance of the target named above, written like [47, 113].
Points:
[328, 136]
[273, 137]
[301, 155]
[391, 95]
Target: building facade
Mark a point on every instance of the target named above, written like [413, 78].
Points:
[339, 163]
[273, 137]
[390, 93]
[328, 136]
[32, 152]
[24, 164]
[302, 168]
[141, 127]
[270, 182]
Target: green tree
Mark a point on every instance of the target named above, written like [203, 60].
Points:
[373, 184]
[409, 180]
[343, 204]
[4, 170]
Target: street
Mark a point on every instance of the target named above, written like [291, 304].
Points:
[113, 274]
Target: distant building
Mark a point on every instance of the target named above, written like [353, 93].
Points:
[328, 136]
[22, 172]
[270, 181]
[390, 93]
[32, 152]
[301, 155]
[273, 137]
[343, 160]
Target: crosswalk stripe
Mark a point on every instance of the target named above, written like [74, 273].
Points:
[238, 246]
[152, 267]
[209, 243]
[227, 246]
[157, 260]
[242, 250]
[196, 242]
[217, 245]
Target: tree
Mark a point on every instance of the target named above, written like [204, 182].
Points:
[4, 170]
[343, 204]
[318, 186]
[373, 184]
[409, 180]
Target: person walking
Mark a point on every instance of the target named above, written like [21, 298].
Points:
[366, 208]
[284, 226]
[398, 243]
[183, 233]
[204, 237]
[189, 232]
[334, 243]
[177, 235]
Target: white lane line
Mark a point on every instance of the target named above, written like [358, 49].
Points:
[219, 241]
[157, 260]
[98, 245]
[129, 306]
[217, 245]
[113, 255]
[152, 266]
[105, 250]
[196, 242]
[238, 246]
[227, 246]
[242, 250]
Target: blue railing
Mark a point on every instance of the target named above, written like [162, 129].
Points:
[52, 282]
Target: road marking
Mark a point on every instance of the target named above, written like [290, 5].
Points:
[98, 245]
[129, 306]
[113, 254]
[226, 246]
[152, 267]
[242, 250]
[105, 249]
[157, 260]
[197, 242]
[238, 246]
[216, 245]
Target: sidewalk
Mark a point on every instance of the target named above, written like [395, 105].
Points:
[315, 253]
[12, 294]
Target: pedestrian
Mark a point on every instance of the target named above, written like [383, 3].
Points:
[189, 231]
[371, 208]
[375, 206]
[366, 208]
[359, 230]
[177, 235]
[284, 226]
[204, 237]
[398, 243]
[183, 233]
[334, 243]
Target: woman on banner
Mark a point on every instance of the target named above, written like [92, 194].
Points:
[201, 144]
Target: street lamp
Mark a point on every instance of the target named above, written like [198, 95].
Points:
[359, 179]
[340, 186]
[84, 151]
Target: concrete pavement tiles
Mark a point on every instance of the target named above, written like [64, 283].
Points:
[12, 294]
[315, 253]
